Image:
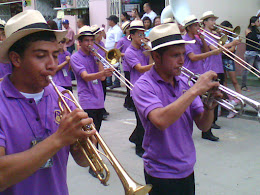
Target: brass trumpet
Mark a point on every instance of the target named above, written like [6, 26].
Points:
[92, 154]
[207, 98]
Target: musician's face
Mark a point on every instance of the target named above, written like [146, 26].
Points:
[171, 60]
[138, 36]
[39, 60]
[86, 41]
[210, 23]
[194, 28]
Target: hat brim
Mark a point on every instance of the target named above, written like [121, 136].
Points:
[8, 42]
[210, 16]
[85, 34]
[100, 29]
[172, 43]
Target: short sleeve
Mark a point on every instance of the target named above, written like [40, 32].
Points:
[76, 65]
[119, 45]
[188, 49]
[196, 107]
[2, 139]
[131, 59]
[145, 98]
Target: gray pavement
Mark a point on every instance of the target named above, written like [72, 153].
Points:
[228, 167]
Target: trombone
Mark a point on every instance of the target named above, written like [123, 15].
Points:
[227, 53]
[235, 33]
[92, 154]
[207, 98]
[113, 57]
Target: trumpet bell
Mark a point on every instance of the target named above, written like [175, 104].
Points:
[223, 40]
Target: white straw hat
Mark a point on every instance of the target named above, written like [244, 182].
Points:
[2, 24]
[137, 25]
[96, 29]
[166, 35]
[23, 24]
[189, 20]
[208, 14]
[125, 25]
[84, 31]
[168, 20]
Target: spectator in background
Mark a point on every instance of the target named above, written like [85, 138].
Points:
[80, 23]
[157, 21]
[53, 25]
[70, 35]
[252, 53]
[124, 17]
[113, 35]
[148, 12]
[135, 14]
[147, 25]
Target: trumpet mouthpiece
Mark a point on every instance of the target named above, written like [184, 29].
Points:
[49, 77]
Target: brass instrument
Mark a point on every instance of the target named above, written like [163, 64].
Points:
[92, 153]
[221, 40]
[208, 99]
[106, 64]
[112, 56]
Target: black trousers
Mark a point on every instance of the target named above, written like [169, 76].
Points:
[138, 134]
[221, 77]
[185, 186]
[128, 99]
[96, 115]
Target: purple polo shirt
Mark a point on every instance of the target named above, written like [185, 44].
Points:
[63, 76]
[21, 121]
[194, 66]
[5, 68]
[213, 62]
[91, 95]
[169, 153]
[133, 57]
[122, 45]
[100, 51]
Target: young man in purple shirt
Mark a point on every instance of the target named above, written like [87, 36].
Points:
[122, 45]
[63, 77]
[196, 54]
[167, 107]
[138, 63]
[89, 75]
[35, 137]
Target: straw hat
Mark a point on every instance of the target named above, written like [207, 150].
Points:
[125, 25]
[189, 20]
[168, 20]
[166, 35]
[23, 24]
[137, 25]
[2, 24]
[208, 14]
[86, 31]
[96, 29]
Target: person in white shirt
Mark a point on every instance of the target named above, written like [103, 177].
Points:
[113, 35]
[149, 12]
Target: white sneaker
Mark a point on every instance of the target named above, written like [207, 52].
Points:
[231, 115]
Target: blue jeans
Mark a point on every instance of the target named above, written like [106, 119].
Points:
[116, 81]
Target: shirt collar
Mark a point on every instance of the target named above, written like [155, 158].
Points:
[82, 53]
[134, 48]
[157, 77]
[11, 92]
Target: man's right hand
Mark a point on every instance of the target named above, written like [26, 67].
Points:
[70, 129]
[206, 82]
[108, 72]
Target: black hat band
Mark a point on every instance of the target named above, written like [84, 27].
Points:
[166, 39]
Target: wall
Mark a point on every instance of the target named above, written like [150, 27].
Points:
[98, 12]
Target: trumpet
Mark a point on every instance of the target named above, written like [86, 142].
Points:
[106, 64]
[92, 154]
[208, 99]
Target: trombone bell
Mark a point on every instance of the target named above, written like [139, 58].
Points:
[234, 31]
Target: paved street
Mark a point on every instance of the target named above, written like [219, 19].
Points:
[230, 166]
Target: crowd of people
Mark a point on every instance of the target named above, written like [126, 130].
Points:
[34, 147]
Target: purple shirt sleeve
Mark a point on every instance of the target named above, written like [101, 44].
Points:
[188, 48]
[147, 100]
[77, 65]
[119, 44]
[131, 60]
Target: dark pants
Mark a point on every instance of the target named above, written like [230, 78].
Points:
[71, 49]
[221, 77]
[68, 88]
[96, 115]
[128, 99]
[185, 186]
[138, 133]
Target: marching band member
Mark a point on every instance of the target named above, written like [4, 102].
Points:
[167, 107]
[5, 68]
[122, 45]
[63, 76]
[89, 75]
[138, 64]
[34, 140]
